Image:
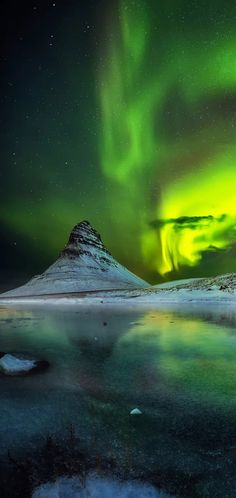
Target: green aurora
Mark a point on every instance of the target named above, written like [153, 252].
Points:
[140, 130]
[135, 88]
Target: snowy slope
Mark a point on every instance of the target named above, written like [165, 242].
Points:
[84, 265]
[216, 290]
[224, 283]
[173, 283]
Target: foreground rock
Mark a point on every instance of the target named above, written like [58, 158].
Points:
[15, 364]
[84, 265]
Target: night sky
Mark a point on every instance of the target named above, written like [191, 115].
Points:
[122, 113]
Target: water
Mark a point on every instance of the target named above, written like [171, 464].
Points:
[177, 367]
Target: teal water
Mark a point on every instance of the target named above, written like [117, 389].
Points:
[177, 367]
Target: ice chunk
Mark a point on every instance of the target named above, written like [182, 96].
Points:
[136, 411]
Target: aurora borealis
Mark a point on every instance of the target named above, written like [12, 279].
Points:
[122, 113]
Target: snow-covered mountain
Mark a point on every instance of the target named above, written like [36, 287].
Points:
[86, 270]
[84, 265]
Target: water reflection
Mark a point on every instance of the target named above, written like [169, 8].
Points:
[178, 368]
[179, 355]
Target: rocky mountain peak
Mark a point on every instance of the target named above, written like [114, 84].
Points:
[82, 239]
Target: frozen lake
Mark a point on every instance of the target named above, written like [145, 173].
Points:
[177, 367]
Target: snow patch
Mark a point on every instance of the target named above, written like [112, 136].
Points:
[97, 487]
[136, 411]
[12, 364]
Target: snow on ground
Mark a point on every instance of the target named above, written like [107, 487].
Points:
[145, 298]
[221, 289]
[97, 487]
[172, 283]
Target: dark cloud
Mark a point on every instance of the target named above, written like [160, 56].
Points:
[188, 221]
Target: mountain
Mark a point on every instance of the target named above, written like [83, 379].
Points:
[84, 265]
[85, 269]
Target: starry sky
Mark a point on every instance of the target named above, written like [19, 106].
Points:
[122, 113]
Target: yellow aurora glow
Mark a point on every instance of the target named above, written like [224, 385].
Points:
[209, 197]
